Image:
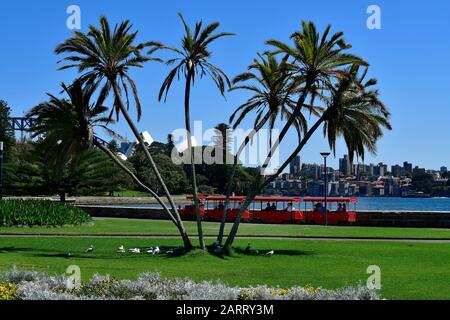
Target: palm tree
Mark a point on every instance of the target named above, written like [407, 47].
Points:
[273, 91]
[353, 112]
[316, 61]
[193, 61]
[68, 128]
[105, 56]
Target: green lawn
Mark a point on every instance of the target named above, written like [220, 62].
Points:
[131, 226]
[409, 270]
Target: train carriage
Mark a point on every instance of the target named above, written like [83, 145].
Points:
[188, 211]
[341, 211]
[215, 206]
[276, 210]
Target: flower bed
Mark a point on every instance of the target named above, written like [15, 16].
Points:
[26, 285]
[40, 213]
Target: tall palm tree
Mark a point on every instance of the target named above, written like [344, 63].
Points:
[354, 112]
[270, 81]
[68, 128]
[317, 61]
[193, 61]
[106, 56]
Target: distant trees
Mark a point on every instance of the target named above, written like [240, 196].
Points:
[6, 133]
[423, 182]
[28, 173]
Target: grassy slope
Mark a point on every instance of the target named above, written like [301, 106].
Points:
[409, 271]
[130, 226]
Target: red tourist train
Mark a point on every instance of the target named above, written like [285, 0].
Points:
[339, 211]
[276, 210]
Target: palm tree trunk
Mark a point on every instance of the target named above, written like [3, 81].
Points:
[258, 189]
[287, 126]
[185, 237]
[233, 172]
[192, 159]
[136, 133]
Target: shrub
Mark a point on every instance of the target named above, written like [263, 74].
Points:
[40, 213]
[26, 285]
[8, 291]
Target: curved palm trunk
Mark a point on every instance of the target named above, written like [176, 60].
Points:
[284, 131]
[185, 237]
[258, 189]
[136, 133]
[192, 160]
[233, 173]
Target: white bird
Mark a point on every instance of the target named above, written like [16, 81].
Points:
[270, 253]
[121, 249]
[135, 250]
[90, 249]
[170, 251]
[156, 250]
[150, 251]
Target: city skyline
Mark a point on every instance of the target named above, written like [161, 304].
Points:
[406, 165]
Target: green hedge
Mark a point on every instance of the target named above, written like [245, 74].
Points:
[40, 213]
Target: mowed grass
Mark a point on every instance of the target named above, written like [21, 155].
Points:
[155, 227]
[408, 270]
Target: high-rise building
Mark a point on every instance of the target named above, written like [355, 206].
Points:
[380, 170]
[295, 166]
[345, 166]
[443, 170]
[397, 171]
[408, 167]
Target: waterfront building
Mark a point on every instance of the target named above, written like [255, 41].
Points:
[408, 167]
[345, 166]
[295, 167]
[397, 171]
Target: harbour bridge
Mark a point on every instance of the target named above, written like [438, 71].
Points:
[24, 124]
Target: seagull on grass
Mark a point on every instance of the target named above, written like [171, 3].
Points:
[90, 249]
[270, 253]
[121, 249]
[156, 250]
[135, 250]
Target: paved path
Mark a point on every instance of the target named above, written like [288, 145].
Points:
[171, 236]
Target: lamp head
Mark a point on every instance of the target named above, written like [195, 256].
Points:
[325, 154]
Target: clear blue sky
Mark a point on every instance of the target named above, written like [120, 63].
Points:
[409, 56]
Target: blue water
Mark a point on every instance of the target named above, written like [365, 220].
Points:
[404, 204]
[376, 204]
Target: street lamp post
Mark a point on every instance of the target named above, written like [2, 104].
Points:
[1, 170]
[325, 155]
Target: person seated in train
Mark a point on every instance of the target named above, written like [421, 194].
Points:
[339, 208]
[274, 207]
[220, 206]
[239, 207]
[344, 208]
[290, 207]
[317, 207]
[320, 208]
[268, 207]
